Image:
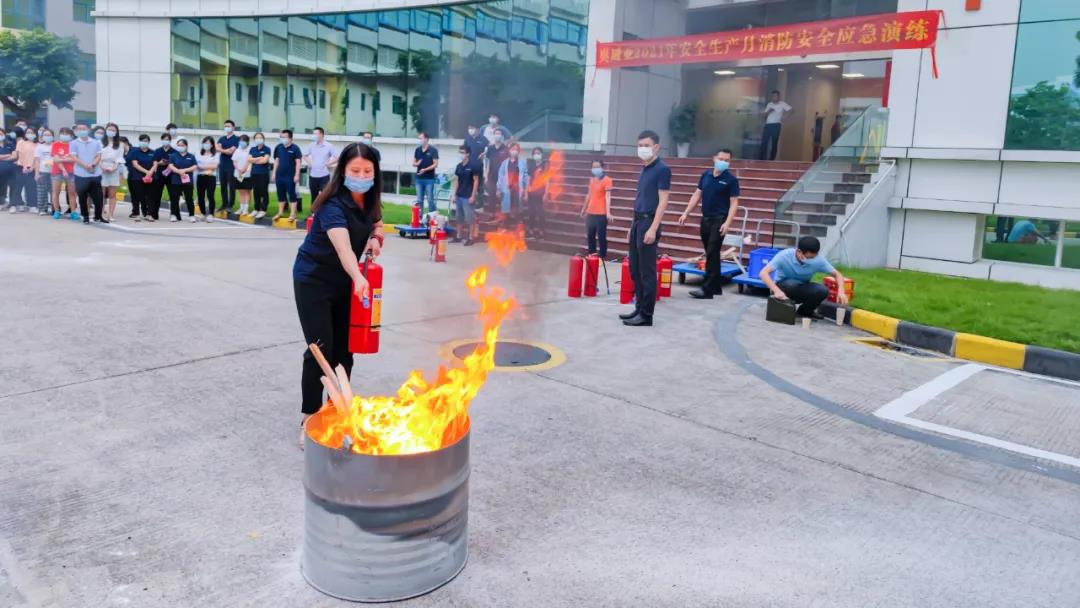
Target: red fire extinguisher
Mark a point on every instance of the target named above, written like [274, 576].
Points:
[365, 321]
[432, 228]
[415, 223]
[592, 274]
[310, 218]
[440, 245]
[577, 269]
[626, 284]
[664, 266]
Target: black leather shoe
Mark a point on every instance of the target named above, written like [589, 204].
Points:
[629, 315]
[814, 315]
[639, 320]
[701, 294]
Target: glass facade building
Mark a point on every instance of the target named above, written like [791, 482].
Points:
[392, 72]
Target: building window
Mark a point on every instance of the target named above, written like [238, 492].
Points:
[22, 14]
[1044, 107]
[81, 9]
[1047, 10]
[87, 67]
[83, 117]
[1028, 240]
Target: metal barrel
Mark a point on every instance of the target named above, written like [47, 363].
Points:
[384, 528]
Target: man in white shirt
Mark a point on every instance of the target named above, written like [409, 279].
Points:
[774, 113]
[321, 157]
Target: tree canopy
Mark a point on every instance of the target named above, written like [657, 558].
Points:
[37, 67]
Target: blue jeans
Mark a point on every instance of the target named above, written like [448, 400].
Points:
[426, 188]
[465, 213]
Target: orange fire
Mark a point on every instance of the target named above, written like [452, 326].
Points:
[551, 176]
[426, 416]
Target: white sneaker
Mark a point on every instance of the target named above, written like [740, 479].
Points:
[172, 218]
[40, 212]
[24, 209]
[209, 219]
[12, 209]
[260, 215]
[194, 219]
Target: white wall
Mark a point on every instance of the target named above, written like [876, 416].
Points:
[59, 19]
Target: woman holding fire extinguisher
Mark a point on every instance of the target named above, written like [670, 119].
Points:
[347, 223]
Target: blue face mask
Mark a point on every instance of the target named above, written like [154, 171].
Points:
[721, 165]
[359, 185]
[598, 172]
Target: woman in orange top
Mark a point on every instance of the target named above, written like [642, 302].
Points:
[26, 176]
[597, 209]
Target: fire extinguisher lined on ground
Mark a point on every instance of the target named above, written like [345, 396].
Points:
[592, 274]
[626, 283]
[664, 270]
[365, 321]
[577, 270]
[415, 223]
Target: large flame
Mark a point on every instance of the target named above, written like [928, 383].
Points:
[551, 176]
[426, 416]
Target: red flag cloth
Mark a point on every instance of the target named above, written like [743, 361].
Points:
[890, 31]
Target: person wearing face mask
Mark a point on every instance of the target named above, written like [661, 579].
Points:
[513, 182]
[241, 177]
[495, 127]
[260, 174]
[346, 224]
[161, 175]
[718, 193]
[208, 160]
[287, 161]
[8, 170]
[537, 195]
[63, 174]
[477, 146]
[495, 156]
[320, 159]
[182, 166]
[368, 139]
[86, 153]
[650, 203]
[597, 209]
[426, 161]
[141, 168]
[465, 185]
[171, 130]
[43, 160]
[112, 161]
[226, 147]
[25, 191]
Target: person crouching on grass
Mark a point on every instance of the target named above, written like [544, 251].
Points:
[795, 269]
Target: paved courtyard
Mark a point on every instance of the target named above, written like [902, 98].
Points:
[149, 385]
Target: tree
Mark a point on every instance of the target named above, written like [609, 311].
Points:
[1045, 117]
[37, 67]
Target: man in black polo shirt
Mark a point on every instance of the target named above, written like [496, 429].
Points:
[654, 186]
[718, 192]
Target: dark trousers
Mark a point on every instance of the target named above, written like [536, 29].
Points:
[89, 188]
[713, 242]
[534, 214]
[137, 194]
[1002, 229]
[228, 189]
[316, 185]
[175, 192]
[25, 188]
[7, 185]
[643, 264]
[324, 319]
[596, 232]
[205, 185]
[286, 193]
[260, 189]
[809, 295]
[155, 191]
[770, 141]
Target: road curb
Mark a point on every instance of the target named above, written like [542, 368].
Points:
[1002, 353]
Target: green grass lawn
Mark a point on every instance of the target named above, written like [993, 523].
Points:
[1007, 311]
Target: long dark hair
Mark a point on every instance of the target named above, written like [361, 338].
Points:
[116, 138]
[212, 149]
[336, 187]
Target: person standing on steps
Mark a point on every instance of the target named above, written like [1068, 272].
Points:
[597, 209]
[718, 193]
[476, 145]
[226, 147]
[650, 203]
[774, 113]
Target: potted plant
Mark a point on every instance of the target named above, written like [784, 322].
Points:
[683, 127]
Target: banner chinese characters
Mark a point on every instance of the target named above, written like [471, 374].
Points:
[910, 30]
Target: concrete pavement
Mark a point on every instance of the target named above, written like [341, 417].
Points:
[149, 381]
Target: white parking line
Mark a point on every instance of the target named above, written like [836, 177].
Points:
[901, 408]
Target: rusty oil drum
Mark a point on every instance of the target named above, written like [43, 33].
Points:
[384, 528]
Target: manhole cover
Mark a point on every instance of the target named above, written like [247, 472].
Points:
[508, 354]
[884, 344]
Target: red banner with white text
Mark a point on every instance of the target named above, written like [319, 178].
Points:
[910, 30]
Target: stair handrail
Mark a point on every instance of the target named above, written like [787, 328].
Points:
[860, 143]
[867, 197]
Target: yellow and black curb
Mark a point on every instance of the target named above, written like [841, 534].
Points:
[1034, 359]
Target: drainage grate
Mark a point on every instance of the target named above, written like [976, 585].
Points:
[890, 346]
[508, 354]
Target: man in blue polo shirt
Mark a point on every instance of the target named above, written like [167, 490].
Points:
[795, 268]
[287, 157]
[718, 193]
[86, 153]
[227, 144]
[654, 186]
[426, 160]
